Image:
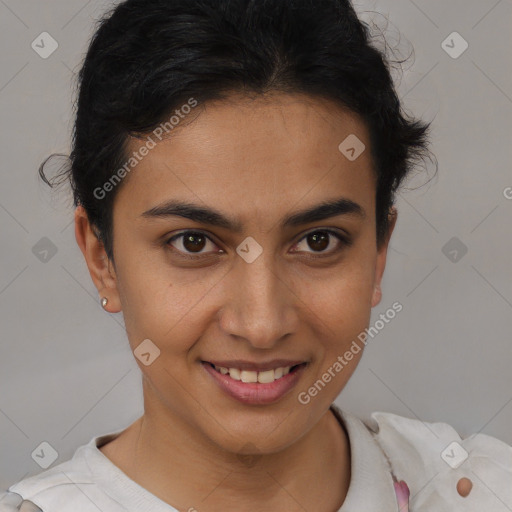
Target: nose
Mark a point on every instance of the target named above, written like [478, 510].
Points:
[261, 307]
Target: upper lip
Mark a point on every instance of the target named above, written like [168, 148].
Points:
[255, 366]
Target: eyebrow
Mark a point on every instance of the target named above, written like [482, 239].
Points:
[206, 215]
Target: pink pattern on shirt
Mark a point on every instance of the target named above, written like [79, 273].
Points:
[402, 495]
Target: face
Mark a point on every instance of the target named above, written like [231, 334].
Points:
[259, 280]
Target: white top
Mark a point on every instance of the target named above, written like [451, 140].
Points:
[430, 457]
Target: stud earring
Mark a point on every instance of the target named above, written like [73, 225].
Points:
[104, 301]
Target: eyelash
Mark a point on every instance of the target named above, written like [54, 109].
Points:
[344, 240]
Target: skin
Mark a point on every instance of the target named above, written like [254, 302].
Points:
[255, 160]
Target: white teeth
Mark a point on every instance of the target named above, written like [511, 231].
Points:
[248, 376]
[266, 377]
[234, 373]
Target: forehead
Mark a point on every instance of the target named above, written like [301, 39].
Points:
[256, 154]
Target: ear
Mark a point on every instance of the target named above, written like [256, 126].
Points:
[100, 267]
[381, 258]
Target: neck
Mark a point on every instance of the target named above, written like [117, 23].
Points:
[311, 474]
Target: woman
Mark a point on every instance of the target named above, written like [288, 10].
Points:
[234, 167]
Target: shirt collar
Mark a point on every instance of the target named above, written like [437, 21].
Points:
[371, 482]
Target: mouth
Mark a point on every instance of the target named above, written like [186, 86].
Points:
[253, 376]
[255, 387]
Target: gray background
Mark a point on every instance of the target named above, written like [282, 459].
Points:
[66, 370]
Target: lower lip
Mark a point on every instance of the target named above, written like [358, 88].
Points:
[256, 393]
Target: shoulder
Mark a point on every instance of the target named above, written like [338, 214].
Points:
[63, 485]
[13, 502]
[432, 458]
[44, 491]
[75, 485]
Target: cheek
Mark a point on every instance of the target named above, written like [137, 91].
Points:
[144, 295]
[162, 304]
[343, 311]
[342, 307]
[342, 296]
[341, 304]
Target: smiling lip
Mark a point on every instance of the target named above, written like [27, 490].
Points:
[256, 393]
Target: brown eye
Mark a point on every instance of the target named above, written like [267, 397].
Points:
[190, 242]
[194, 242]
[320, 240]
